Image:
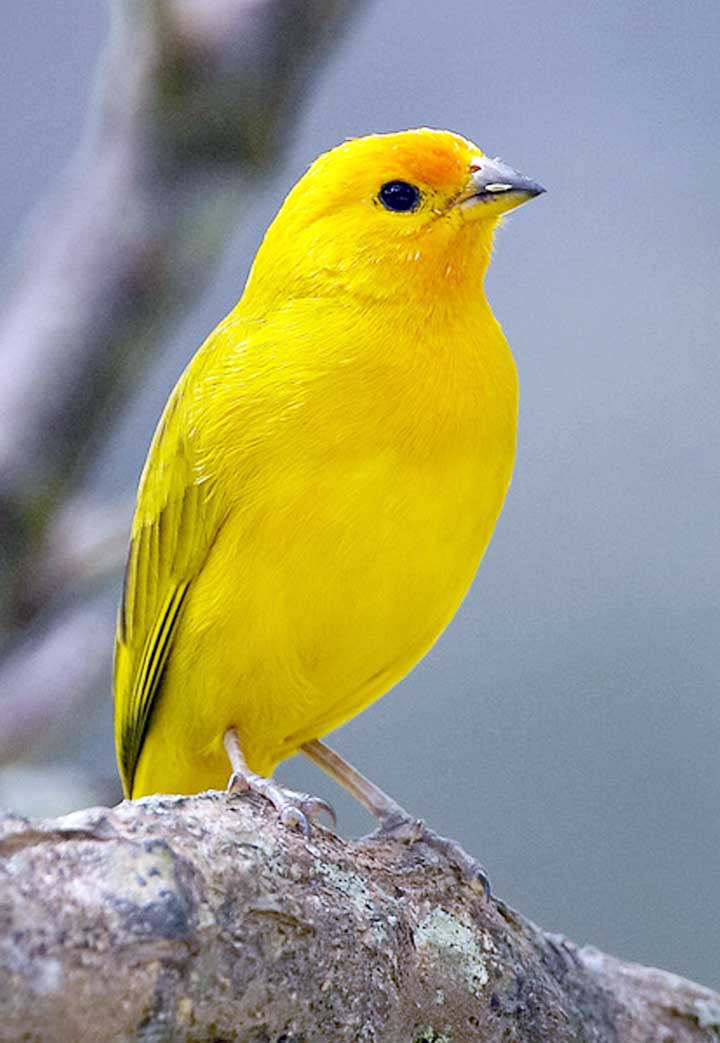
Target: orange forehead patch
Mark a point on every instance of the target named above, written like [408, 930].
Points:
[435, 158]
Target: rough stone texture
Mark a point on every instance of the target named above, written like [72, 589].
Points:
[201, 919]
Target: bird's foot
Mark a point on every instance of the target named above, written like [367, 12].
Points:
[295, 810]
[398, 825]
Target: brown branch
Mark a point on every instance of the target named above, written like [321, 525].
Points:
[195, 100]
[201, 919]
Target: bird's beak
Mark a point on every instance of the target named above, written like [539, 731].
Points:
[493, 188]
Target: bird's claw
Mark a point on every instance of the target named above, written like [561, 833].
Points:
[237, 783]
[471, 871]
[406, 829]
[398, 826]
[294, 818]
[314, 807]
[301, 810]
[295, 810]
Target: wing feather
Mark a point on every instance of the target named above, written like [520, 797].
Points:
[176, 521]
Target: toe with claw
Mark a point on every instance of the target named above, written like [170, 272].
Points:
[395, 822]
[470, 870]
[301, 811]
[403, 827]
[295, 810]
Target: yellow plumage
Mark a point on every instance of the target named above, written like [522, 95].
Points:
[327, 473]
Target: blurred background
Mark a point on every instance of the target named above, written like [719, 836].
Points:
[566, 728]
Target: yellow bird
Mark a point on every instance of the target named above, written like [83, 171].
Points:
[325, 477]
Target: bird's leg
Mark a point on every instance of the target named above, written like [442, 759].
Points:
[394, 821]
[296, 810]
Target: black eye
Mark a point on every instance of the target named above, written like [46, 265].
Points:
[399, 195]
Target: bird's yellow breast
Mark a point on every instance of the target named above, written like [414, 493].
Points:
[361, 469]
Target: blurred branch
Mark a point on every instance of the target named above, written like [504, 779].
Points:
[195, 99]
[51, 673]
[62, 662]
[199, 918]
[85, 544]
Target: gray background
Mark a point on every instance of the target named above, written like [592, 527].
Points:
[566, 728]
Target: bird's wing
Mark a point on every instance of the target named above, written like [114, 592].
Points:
[176, 521]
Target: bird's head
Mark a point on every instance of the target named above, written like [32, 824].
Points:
[391, 211]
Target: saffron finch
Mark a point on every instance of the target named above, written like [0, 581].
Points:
[325, 477]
